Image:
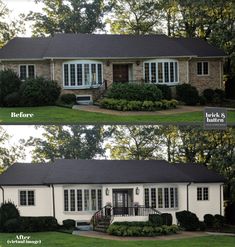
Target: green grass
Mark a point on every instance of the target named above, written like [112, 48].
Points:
[53, 239]
[60, 115]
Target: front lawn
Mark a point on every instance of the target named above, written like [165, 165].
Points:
[60, 115]
[55, 239]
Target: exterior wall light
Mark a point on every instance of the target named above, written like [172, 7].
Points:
[107, 192]
[137, 63]
[108, 63]
[137, 191]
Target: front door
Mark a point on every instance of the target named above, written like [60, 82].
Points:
[120, 202]
[120, 72]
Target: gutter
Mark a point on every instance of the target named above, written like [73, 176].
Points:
[188, 196]
[220, 198]
[53, 200]
[3, 199]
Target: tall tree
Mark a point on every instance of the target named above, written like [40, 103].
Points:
[67, 142]
[70, 16]
[135, 17]
[8, 29]
[9, 154]
[134, 142]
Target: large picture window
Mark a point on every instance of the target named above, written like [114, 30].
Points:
[82, 199]
[78, 74]
[161, 71]
[161, 197]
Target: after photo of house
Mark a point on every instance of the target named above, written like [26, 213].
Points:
[143, 181]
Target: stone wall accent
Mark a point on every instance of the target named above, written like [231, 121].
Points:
[138, 71]
[213, 80]
[108, 72]
[42, 68]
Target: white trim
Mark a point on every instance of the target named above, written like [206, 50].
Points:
[202, 62]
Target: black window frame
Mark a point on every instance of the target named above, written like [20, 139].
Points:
[29, 200]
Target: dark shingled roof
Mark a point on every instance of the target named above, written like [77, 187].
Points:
[107, 172]
[106, 46]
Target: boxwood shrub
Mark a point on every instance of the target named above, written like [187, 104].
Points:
[209, 220]
[68, 98]
[156, 219]
[69, 224]
[125, 105]
[39, 92]
[166, 219]
[187, 93]
[140, 229]
[166, 91]
[127, 91]
[187, 220]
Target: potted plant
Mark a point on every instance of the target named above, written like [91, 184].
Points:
[136, 208]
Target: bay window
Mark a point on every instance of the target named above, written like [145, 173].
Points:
[164, 71]
[79, 74]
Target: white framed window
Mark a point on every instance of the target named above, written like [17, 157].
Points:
[26, 198]
[202, 193]
[82, 74]
[161, 197]
[27, 71]
[202, 68]
[77, 200]
[161, 71]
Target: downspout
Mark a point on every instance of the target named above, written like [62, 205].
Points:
[220, 198]
[52, 69]
[3, 199]
[188, 196]
[53, 200]
[190, 58]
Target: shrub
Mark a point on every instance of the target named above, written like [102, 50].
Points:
[158, 105]
[220, 219]
[209, 94]
[68, 98]
[12, 225]
[187, 220]
[187, 93]
[202, 100]
[202, 226]
[148, 231]
[134, 105]
[8, 211]
[134, 92]
[173, 228]
[38, 224]
[166, 91]
[39, 92]
[166, 219]
[148, 106]
[9, 83]
[69, 224]
[219, 95]
[209, 220]
[156, 219]
[12, 99]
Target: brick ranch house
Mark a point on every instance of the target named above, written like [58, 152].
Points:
[81, 189]
[85, 64]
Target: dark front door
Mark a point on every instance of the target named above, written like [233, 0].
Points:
[120, 72]
[120, 202]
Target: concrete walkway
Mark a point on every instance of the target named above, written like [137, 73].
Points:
[179, 109]
[101, 235]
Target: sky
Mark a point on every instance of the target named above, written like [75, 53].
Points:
[18, 7]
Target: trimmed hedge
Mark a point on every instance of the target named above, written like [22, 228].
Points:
[39, 92]
[187, 220]
[214, 96]
[166, 219]
[69, 224]
[69, 98]
[134, 92]
[140, 230]
[209, 220]
[125, 105]
[166, 91]
[187, 93]
[156, 219]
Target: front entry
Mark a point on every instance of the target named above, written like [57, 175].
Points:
[120, 73]
[122, 199]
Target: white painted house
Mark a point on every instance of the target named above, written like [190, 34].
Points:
[77, 189]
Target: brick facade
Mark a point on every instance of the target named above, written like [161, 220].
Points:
[213, 80]
[187, 73]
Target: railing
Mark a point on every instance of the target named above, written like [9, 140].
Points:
[107, 213]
